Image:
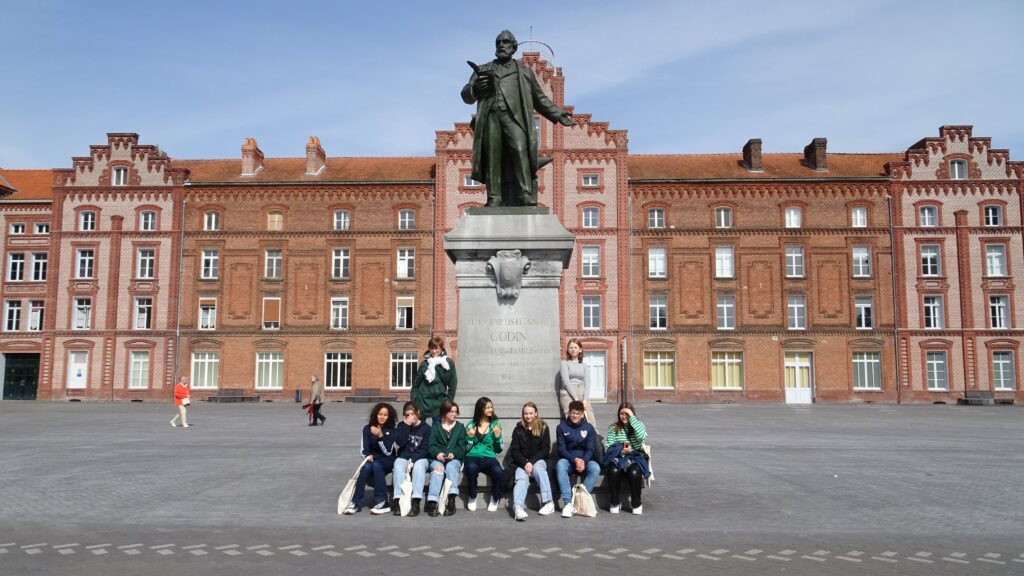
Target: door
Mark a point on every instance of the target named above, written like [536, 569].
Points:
[596, 362]
[78, 368]
[21, 376]
[799, 387]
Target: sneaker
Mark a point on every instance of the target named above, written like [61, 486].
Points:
[186, 425]
[567, 510]
[638, 510]
[547, 508]
[471, 504]
[381, 508]
[492, 505]
[352, 509]
[520, 514]
[174, 424]
[615, 509]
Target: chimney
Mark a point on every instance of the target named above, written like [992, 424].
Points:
[316, 159]
[252, 158]
[815, 154]
[752, 155]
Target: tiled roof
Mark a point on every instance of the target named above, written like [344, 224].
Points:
[29, 184]
[338, 169]
[730, 166]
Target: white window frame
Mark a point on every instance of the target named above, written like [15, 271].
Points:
[867, 371]
[270, 324]
[794, 217]
[928, 216]
[794, 261]
[405, 312]
[796, 312]
[406, 264]
[723, 217]
[205, 370]
[936, 360]
[933, 312]
[87, 221]
[407, 219]
[590, 180]
[12, 315]
[931, 260]
[211, 221]
[15, 267]
[85, 263]
[724, 262]
[42, 227]
[864, 317]
[590, 312]
[138, 371]
[338, 370]
[275, 221]
[656, 262]
[590, 265]
[993, 216]
[861, 261]
[339, 313]
[210, 264]
[17, 228]
[341, 220]
[469, 182]
[147, 221]
[958, 169]
[656, 218]
[81, 314]
[207, 314]
[145, 265]
[119, 176]
[402, 370]
[1004, 376]
[859, 217]
[273, 263]
[725, 312]
[340, 263]
[269, 370]
[591, 216]
[39, 264]
[142, 316]
[36, 314]
[995, 260]
[657, 308]
[726, 359]
[655, 364]
[998, 312]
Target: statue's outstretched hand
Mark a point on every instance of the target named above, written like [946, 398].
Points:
[566, 120]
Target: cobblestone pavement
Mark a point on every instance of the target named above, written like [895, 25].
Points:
[250, 489]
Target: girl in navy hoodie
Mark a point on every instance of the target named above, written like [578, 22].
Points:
[379, 449]
[411, 438]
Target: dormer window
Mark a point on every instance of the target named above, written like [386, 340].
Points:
[958, 169]
[119, 176]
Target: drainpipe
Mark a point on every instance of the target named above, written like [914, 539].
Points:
[626, 388]
[895, 299]
[181, 267]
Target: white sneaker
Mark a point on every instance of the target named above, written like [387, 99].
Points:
[492, 505]
[520, 514]
[615, 509]
[638, 510]
[471, 504]
[186, 425]
[174, 424]
[567, 510]
[381, 508]
[547, 508]
[352, 509]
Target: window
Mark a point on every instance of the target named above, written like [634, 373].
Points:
[935, 365]
[36, 312]
[271, 313]
[39, 266]
[85, 261]
[591, 180]
[797, 313]
[339, 263]
[42, 228]
[727, 370]
[210, 263]
[406, 263]
[591, 261]
[591, 216]
[468, 182]
[342, 220]
[726, 313]
[794, 261]
[861, 262]
[867, 371]
[207, 313]
[404, 312]
[143, 313]
[995, 260]
[83, 314]
[1003, 377]
[859, 217]
[655, 262]
[659, 370]
[339, 313]
[997, 311]
[928, 216]
[119, 176]
[723, 217]
[15, 267]
[658, 309]
[930, 265]
[993, 215]
[338, 370]
[723, 262]
[656, 218]
[272, 264]
[794, 216]
[958, 170]
[205, 370]
[406, 219]
[269, 370]
[933, 312]
[146, 264]
[403, 368]
[591, 312]
[275, 221]
[139, 379]
[147, 221]
[18, 228]
[863, 305]
[87, 221]
[12, 315]
[211, 223]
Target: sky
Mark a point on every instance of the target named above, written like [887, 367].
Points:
[379, 78]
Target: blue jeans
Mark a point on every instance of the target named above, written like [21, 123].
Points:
[379, 470]
[562, 470]
[451, 471]
[419, 474]
[489, 466]
[540, 474]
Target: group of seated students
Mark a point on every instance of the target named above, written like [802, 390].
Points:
[448, 447]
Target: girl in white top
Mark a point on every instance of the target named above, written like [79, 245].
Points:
[575, 380]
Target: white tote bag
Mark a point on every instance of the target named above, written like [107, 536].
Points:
[583, 501]
[350, 488]
[186, 401]
[405, 492]
[442, 498]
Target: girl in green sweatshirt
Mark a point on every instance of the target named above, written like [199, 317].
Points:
[485, 443]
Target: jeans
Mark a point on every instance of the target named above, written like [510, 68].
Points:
[379, 470]
[562, 470]
[451, 471]
[489, 466]
[540, 474]
[419, 473]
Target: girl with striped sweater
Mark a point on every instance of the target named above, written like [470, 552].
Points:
[625, 457]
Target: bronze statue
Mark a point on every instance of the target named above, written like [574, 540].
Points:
[505, 141]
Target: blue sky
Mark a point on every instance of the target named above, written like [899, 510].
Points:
[377, 79]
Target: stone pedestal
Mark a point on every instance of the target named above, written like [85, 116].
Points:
[509, 339]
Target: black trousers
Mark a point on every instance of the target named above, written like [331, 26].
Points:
[633, 476]
[317, 416]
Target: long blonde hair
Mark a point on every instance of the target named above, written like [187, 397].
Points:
[537, 427]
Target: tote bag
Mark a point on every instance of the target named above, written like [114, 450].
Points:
[350, 488]
[442, 498]
[583, 501]
[405, 493]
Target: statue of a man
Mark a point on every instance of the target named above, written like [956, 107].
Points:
[505, 141]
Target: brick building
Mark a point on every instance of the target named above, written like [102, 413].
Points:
[778, 277]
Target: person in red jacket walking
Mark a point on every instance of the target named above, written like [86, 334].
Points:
[182, 399]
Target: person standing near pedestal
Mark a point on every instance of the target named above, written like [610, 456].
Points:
[435, 381]
[575, 380]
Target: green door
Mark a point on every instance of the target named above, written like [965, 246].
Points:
[21, 376]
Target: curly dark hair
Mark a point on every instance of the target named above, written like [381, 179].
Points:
[392, 415]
